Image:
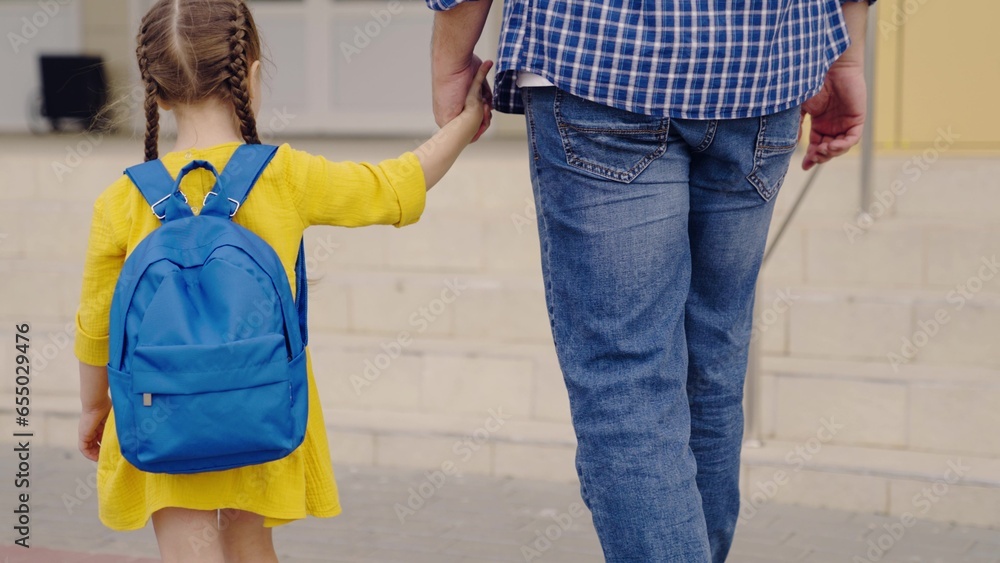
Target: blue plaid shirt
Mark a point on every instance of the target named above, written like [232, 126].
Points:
[695, 59]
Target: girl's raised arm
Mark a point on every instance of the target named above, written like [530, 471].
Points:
[392, 192]
[439, 153]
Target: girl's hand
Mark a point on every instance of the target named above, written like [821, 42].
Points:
[92, 429]
[439, 152]
[479, 102]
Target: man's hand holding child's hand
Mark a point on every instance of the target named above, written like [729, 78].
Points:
[440, 151]
[479, 103]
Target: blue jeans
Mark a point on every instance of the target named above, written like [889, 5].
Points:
[652, 232]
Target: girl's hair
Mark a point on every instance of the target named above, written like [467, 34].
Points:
[193, 50]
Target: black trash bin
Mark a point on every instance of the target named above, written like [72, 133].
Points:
[74, 90]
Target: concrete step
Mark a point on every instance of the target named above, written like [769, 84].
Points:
[416, 372]
[365, 302]
[900, 326]
[914, 185]
[901, 253]
[951, 325]
[896, 253]
[901, 484]
[875, 405]
[895, 326]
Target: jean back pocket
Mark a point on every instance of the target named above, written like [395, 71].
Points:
[776, 140]
[608, 142]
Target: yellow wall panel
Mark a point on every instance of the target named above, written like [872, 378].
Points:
[950, 71]
[887, 71]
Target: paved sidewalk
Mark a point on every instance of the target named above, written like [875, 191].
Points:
[469, 519]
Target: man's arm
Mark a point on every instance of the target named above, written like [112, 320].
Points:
[838, 110]
[856, 16]
[453, 65]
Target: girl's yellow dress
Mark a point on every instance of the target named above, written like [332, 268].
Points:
[295, 191]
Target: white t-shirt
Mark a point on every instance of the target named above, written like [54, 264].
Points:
[531, 80]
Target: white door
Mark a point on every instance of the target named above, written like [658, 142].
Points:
[29, 29]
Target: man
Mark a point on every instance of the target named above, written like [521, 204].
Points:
[659, 133]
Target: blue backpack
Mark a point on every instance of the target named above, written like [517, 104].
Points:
[207, 348]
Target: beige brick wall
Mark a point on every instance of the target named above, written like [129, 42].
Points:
[831, 325]
[872, 413]
[820, 489]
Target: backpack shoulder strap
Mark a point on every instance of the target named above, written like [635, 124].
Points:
[302, 292]
[240, 174]
[244, 169]
[154, 182]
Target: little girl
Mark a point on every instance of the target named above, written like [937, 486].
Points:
[200, 59]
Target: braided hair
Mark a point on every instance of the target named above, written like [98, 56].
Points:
[192, 50]
[151, 108]
[239, 68]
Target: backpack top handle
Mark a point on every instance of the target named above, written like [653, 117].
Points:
[163, 192]
[159, 189]
[240, 174]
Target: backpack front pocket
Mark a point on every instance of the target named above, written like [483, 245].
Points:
[194, 402]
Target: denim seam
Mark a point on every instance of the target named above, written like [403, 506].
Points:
[713, 126]
[618, 130]
[543, 231]
[777, 148]
[546, 250]
[526, 93]
[762, 149]
[758, 157]
[761, 135]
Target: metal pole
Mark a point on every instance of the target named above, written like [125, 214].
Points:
[868, 137]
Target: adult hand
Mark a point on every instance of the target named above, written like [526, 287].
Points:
[450, 89]
[475, 97]
[838, 113]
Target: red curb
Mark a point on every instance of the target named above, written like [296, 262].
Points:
[18, 554]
